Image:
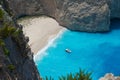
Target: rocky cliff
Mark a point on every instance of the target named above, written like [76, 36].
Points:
[16, 58]
[114, 6]
[110, 76]
[80, 15]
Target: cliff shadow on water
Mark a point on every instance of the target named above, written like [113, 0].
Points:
[115, 24]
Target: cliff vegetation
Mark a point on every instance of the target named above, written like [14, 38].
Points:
[16, 58]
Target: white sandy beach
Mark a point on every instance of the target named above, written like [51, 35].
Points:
[39, 30]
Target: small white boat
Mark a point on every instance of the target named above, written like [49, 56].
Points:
[68, 50]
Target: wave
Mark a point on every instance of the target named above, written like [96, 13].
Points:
[42, 52]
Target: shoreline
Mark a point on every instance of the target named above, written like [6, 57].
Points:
[41, 53]
[40, 30]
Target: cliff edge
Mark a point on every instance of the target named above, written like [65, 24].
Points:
[16, 58]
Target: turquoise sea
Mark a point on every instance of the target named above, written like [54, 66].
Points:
[98, 53]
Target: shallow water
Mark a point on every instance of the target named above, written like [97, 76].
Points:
[98, 53]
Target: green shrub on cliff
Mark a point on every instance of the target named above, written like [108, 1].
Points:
[7, 30]
[11, 67]
[2, 43]
[81, 75]
[6, 51]
[1, 14]
[17, 32]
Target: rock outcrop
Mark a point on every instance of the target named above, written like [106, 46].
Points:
[85, 15]
[110, 76]
[16, 58]
[80, 15]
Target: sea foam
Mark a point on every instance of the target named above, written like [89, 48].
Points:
[41, 53]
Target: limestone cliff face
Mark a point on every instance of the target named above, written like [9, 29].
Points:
[80, 15]
[114, 8]
[16, 58]
[31, 7]
[84, 15]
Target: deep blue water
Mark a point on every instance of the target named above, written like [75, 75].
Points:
[98, 53]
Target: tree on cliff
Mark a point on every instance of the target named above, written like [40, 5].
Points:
[81, 75]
